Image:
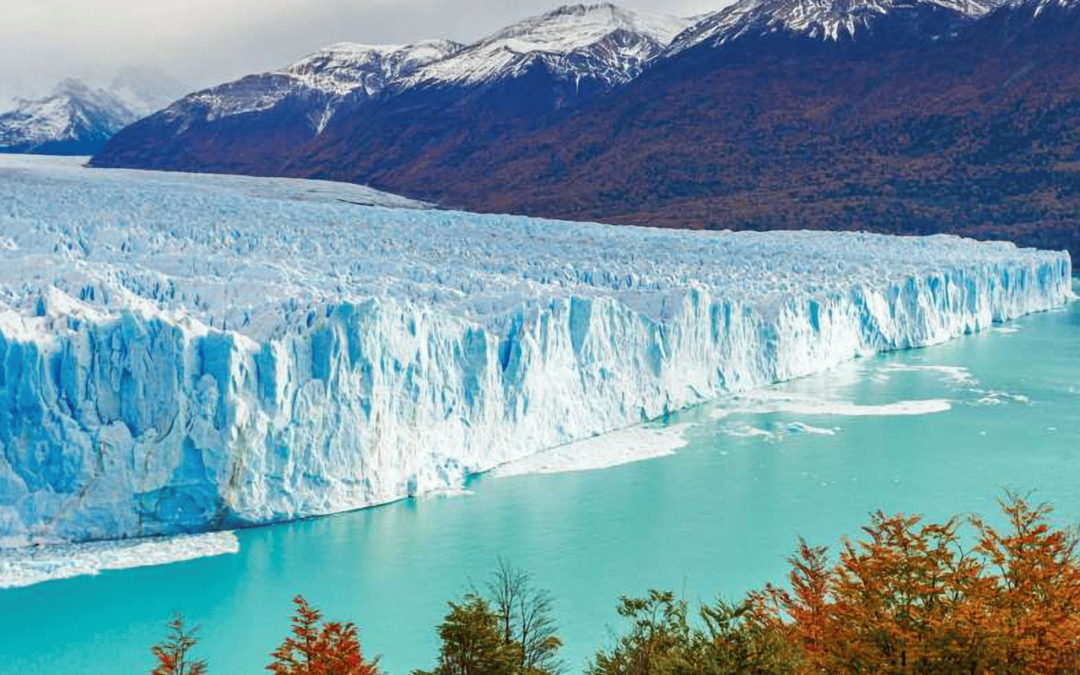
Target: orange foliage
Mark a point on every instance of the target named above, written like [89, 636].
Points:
[173, 654]
[314, 649]
[909, 599]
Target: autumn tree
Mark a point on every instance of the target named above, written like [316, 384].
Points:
[317, 648]
[909, 598]
[473, 642]
[1032, 615]
[801, 614]
[173, 654]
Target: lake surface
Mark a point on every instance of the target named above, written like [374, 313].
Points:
[937, 431]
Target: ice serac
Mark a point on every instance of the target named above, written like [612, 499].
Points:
[183, 353]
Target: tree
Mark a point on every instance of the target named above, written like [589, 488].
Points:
[732, 639]
[173, 654]
[907, 598]
[525, 618]
[657, 642]
[1033, 614]
[473, 642]
[739, 641]
[317, 648]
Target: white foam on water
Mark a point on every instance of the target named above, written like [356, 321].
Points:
[994, 397]
[767, 401]
[446, 493]
[777, 432]
[613, 449]
[955, 374]
[36, 564]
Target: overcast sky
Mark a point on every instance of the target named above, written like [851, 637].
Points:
[203, 42]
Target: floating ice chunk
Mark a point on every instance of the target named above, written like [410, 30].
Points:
[777, 432]
[35, 564]
[803, 428]
[612, 449]
[749, 431]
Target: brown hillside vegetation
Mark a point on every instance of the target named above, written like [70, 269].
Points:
[976, 135]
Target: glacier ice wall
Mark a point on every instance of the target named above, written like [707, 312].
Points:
[182, 353]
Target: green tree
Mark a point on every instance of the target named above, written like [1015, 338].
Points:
[658, 641]
[473, 644]
[729, 640]
[737, 640]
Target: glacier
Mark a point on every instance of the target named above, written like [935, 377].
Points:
[184, 353]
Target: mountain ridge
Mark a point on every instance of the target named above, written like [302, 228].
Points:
[76, 118]
[930, 116]
[73, 119]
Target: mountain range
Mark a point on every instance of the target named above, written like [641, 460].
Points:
[76, 118]
[903, 116]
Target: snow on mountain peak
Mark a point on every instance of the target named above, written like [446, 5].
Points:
[824, 19]
[72, 113]
[622, 39]
[347, 66]
[1040, 6]
[332, 73]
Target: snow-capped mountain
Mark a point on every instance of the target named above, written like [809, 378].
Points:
[822, 19]
[326, 79]
[73, 119]
[1040, 8]
[1041, 5]
[600, 41]
[259, 123]
[346, 67]
[78, 118]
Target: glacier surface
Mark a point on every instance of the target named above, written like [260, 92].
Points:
[187, 353]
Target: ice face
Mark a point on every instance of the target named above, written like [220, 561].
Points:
[185, 353]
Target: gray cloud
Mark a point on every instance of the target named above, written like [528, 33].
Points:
[202, 42]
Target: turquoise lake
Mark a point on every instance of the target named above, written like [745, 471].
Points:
[808, 458]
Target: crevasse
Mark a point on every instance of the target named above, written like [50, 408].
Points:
[183, 353]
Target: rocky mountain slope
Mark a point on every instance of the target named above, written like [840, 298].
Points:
[262, 122]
